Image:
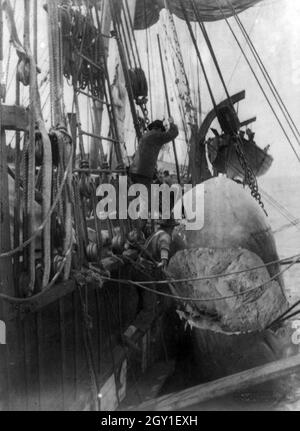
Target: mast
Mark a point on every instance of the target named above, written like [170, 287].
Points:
[98, 107]
[168, 106]
[184, 91]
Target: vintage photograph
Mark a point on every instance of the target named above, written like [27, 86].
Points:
[149, 208]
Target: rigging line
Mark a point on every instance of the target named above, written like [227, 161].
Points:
[135, 60]
[121, 29]
[148, 58]
[194, 300]
[198, 93]
[282, 210]
[258, 82]
[128, 36]
[280, 207]
[292, 223]
[287, 226]
[168, 106]
[295, 258]
[199, 56]
[284, 316]
[266, 74]
[241, 55]
[126, 73]
[210, 47]
[133, 34]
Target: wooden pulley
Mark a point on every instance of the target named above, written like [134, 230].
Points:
[92, 252]
[139, 83]
[85, 184]
[118, 244]
[23, 71]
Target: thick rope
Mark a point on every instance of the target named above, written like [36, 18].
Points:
[188, 299]
[25, 244]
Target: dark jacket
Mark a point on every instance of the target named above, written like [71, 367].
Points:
[145, 158]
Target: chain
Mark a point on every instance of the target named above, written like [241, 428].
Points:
[142, 103]
[249, 176]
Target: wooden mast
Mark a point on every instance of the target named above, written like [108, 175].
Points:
[98, 107]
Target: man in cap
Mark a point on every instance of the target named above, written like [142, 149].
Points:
[145, 158]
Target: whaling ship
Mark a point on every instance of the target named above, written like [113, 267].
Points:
[88, 310]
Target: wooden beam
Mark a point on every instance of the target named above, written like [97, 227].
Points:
[225, 386]
[247, 122]
[211, 116]
[14, 118]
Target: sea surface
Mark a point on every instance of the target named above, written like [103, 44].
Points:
[281, 197]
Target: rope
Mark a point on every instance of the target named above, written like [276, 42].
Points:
[133, 34]
[182, 298]
[284, 316]
[198, 55]
[148, 57]
[125, 39]
[125, 70]
[11, 253]
[258, 82]
[89, 351]
[211, 50]
[267, 76]
[143, 286]
[217, 276]
[135, 60]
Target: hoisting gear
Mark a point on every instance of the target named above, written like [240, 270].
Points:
[139, 86]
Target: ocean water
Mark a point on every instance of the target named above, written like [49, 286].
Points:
[286, 193]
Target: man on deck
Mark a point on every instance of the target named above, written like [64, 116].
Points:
[145, 158]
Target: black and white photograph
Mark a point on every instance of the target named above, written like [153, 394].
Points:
[149, 209]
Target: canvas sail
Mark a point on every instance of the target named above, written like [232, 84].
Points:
[147, 11]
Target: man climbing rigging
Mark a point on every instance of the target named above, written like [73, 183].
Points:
[145, 158]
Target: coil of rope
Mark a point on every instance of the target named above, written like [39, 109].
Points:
[79, 35]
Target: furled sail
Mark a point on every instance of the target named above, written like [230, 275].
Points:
[147, 11]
